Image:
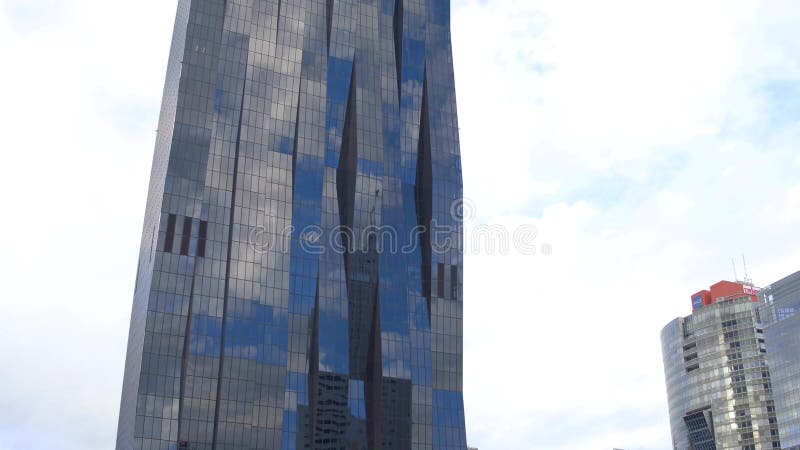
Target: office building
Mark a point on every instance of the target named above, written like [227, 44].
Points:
[780, 303]
[718, 383]
[292, 292]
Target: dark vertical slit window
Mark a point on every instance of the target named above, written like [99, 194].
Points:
[440, 281]
[347, 172]
[201, 239]
[398, 44]
[153, 240]
[187, 235]
[226, 289]
[329, 12]
[423, 190]
[170, 237]
[454, 282]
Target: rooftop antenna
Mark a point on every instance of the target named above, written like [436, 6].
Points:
[746, 276]
[735, 276]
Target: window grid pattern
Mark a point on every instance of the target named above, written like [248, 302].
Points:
[779, 305]
[272, 309]
[717, 366]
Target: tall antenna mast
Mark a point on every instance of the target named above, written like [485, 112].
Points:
[746, 276]
[733, 264]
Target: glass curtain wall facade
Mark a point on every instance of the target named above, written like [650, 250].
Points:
[718, 383]
[300, 275]
[780, 305]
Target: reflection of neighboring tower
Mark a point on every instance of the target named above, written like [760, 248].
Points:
[329, 118]
[779, 307]
[718, 382]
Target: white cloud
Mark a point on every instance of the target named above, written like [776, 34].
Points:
[653, 121]
[675, 206]
[80, 110]
[791, 210]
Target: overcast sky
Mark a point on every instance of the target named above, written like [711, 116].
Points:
[648, 141]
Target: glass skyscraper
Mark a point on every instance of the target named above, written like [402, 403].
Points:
[300, 274]
[780, 305]
[718, 381]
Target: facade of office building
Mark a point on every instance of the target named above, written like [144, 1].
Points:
[780, 305]
[718, 383]
[291, 291]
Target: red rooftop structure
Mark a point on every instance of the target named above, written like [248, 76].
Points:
[724, 290]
